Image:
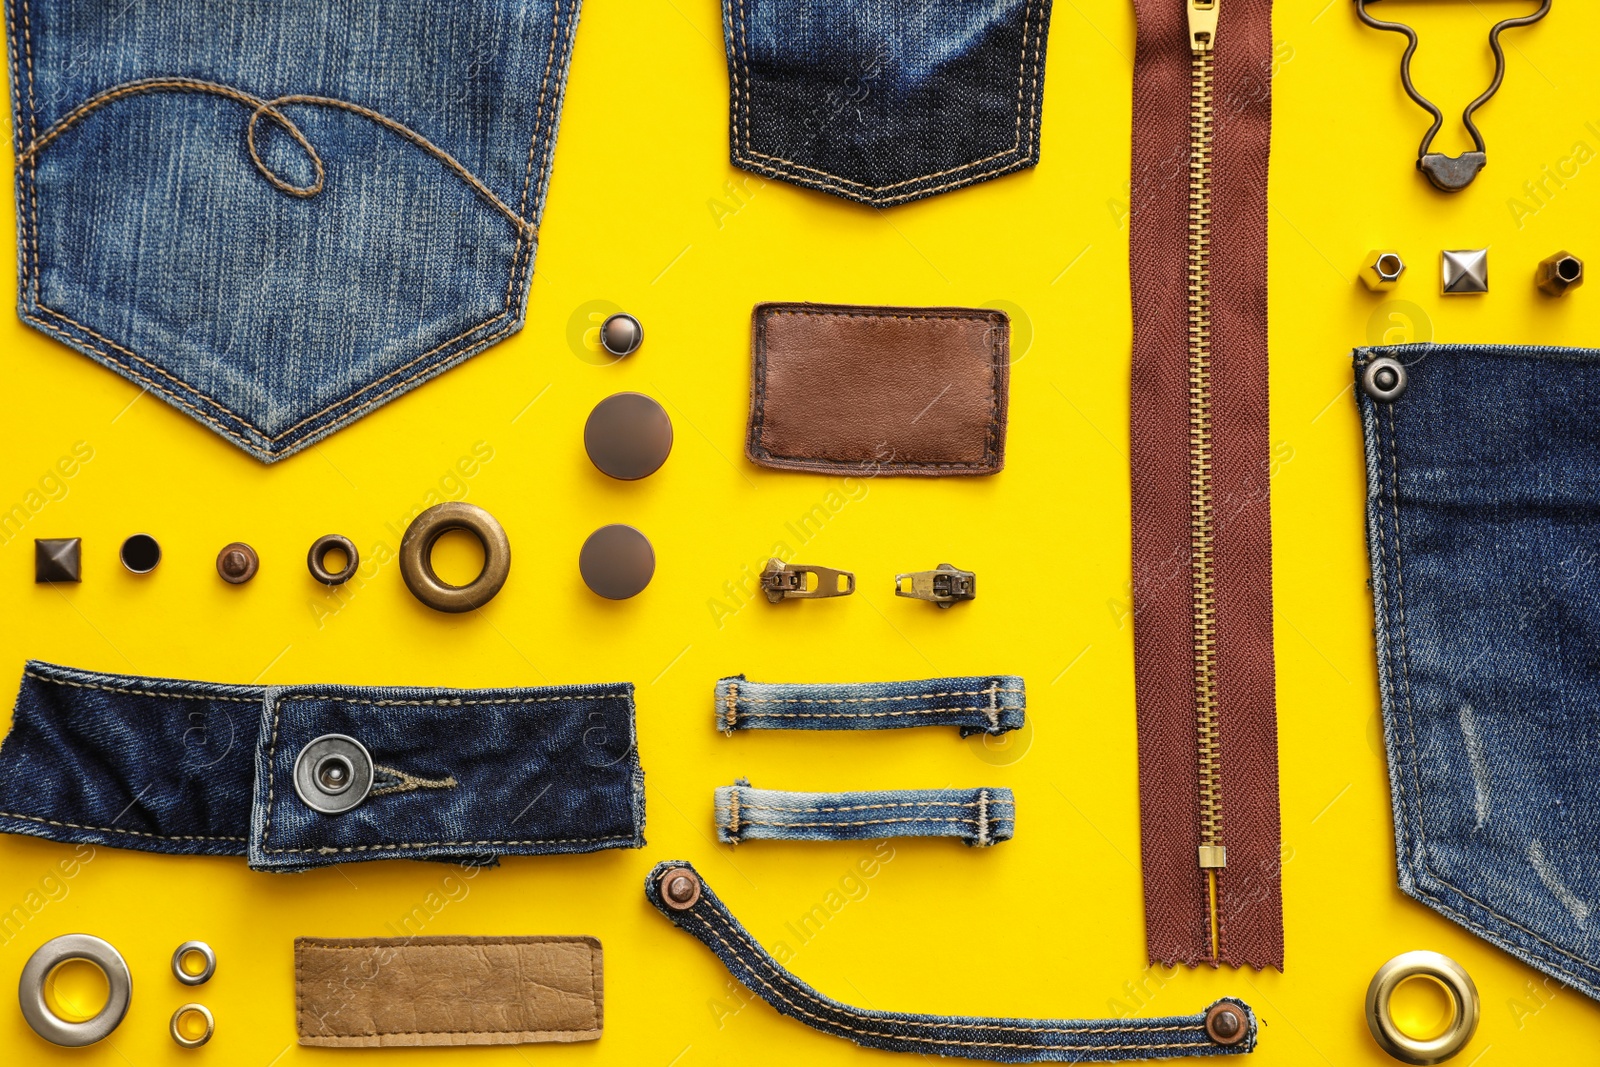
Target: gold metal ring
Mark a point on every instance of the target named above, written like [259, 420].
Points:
[1464, 1003]
[182, 1039]
[416, 557]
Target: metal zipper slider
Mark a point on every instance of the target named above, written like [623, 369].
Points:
[943, 586]
[1203, 24]
[787, 581]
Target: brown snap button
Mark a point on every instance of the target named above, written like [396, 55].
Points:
[237, 563]
[628, 436]
[621, 334]
[1225, 1024]
[617, 562]
[680, 888]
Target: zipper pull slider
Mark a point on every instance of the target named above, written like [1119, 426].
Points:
[1203, 24]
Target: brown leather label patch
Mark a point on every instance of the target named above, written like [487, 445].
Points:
[364, 992]
[879, 390]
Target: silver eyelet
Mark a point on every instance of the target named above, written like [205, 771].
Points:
[182, 1039]
[333, 773]
[205, 953]
[52, 954]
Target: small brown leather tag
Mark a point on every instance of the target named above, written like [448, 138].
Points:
[879, 390]
[363, 992]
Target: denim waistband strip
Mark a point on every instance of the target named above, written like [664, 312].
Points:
[979, 817]
[197, 768]
[998, 1040]
[990, 704]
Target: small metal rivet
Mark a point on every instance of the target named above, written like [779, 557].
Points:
[680, 888]
[141, 553]
[1381, 270]
[621, 334]
[1464, 272]
[58, 559]
[628, 436]
[1225, 1024]
[237, 563]
[1559, 273]
[333, 773]
[319, 553]
[1384, 379]
[617, 562]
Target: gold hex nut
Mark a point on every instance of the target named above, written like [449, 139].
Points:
[1381, 269]
[1558, 273]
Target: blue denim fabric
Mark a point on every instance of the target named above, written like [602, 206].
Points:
[274, 216]
[199, 768]
[1483, 520]
[885, 101]
[998, 1040]
[990, 704]
[979, 817]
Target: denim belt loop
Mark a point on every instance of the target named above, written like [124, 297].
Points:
[990, 704]
[695, 909]
[980, 817]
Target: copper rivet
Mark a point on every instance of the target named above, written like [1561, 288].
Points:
[237, 563]
[1224, 1024]
[680, 888]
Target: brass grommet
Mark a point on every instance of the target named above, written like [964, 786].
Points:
[1226, 1023]
[416, 557]
[1463, 995]
[680, 888]
[319, 552]
[182, 1039]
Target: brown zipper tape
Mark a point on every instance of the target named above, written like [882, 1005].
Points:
[1221, 667]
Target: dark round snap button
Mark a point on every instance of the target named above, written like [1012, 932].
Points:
[628, 436]
[141, 553]
[237, 563]
[333, 773]
[316, 559]
[617, 562]
[621, 334]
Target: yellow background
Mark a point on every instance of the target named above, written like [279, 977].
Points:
[646, 213]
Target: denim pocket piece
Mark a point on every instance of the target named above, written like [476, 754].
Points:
[197, 768]
[1483, 522]
[278, 217]
[885, 101]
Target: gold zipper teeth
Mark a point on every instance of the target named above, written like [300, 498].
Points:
[1201, 511]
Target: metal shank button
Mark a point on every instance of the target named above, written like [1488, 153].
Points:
[332, 774]
[1384, 379]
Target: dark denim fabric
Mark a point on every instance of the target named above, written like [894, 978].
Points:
[989, 704]
[275, 216]
[199, 768]
[1483, 515]
[980, 817]
[969, 1037]
[885, 101]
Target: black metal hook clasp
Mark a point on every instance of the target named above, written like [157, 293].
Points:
[1451, 173]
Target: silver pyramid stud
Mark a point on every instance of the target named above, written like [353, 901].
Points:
[1466, 271]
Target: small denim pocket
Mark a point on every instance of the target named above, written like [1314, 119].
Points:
[1483, 521]
[277, 217]
[885, 101]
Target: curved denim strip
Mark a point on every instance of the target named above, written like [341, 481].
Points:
[990, 704]
[969, 1037]
[1483, 523]
[979, 817]
[196, 768]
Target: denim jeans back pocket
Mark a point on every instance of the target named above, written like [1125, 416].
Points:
[885, 101]
[1483, 519]
[278, 217]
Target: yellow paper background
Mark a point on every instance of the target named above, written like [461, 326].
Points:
[645, 213]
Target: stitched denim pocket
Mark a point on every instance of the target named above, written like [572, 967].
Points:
[278, 217]
[885, 101]
[1483, 519]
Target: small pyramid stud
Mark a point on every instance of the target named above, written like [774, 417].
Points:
[1466, 271]
[57, 559]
